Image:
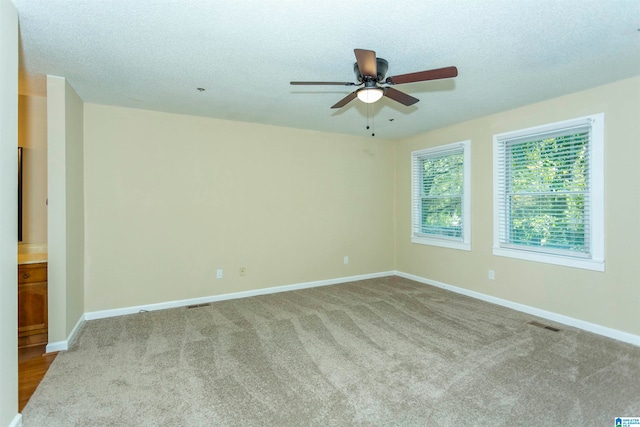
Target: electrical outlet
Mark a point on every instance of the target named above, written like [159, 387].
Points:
[492, 274]
[219, 274]
[243, 271]
[346, 260]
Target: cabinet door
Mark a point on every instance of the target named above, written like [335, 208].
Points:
[32, 308]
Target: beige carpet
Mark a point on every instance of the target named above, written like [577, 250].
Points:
[380, 352]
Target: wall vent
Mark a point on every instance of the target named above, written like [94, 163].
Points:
[206, 304]
[543, 326]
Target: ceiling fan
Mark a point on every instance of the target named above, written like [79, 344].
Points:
[370, 73]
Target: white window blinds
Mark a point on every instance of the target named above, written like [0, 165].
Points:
[544, 190]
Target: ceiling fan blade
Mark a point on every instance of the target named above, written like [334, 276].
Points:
[324, 83]
[347, 99]
[366, 62]
[401, 97]
[421, 76]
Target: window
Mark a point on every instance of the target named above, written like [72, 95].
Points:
[441, 196]
[548, 193]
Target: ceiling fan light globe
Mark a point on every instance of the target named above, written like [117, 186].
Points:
[370, 95]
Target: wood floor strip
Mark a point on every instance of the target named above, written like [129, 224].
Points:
[33, 364]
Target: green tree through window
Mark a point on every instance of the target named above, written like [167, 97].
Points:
[547, 191]
[442, 195]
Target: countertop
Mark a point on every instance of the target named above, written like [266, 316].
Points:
[31, 253]
[32, 258]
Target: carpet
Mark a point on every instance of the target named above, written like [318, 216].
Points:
[379, 352]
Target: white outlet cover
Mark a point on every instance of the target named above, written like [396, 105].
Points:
[219, 274]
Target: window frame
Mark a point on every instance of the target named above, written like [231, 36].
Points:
[596, 259]
[463, 243]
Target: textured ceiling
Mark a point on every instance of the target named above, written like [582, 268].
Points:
[154, 54]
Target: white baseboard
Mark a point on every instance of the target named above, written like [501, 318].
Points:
[560, 318]
[234, 295]
[16, 422]
[64, 345]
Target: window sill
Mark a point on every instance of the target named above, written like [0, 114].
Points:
[585, 264]
[442, 243]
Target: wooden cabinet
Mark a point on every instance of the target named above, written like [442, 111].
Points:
[32, 304]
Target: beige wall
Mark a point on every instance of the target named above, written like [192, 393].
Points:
[171, 198]
[611, 298]
[66, 208]
[32, 137]
[8, 213]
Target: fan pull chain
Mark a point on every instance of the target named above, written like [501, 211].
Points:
[372, 120]
[367, 107]
[373, 125]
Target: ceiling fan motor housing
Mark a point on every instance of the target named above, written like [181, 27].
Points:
[382, 66]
